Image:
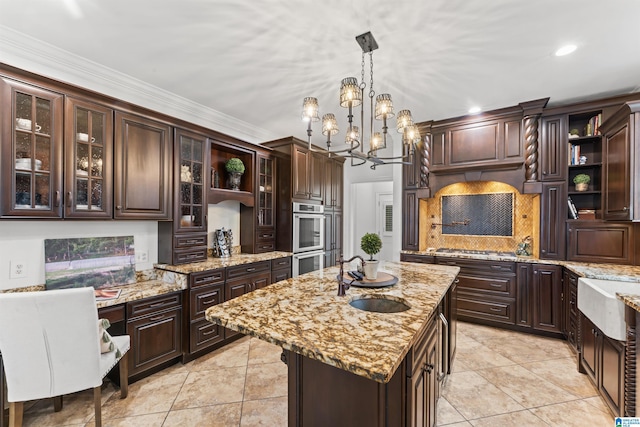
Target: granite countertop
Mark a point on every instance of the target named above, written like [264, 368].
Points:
[213, 263]
[305, 315]
[624, 273]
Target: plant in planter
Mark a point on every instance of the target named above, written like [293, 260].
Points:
[582, 181]
[235, 167]
[371, 245]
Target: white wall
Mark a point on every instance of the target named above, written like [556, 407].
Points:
[365, 211]
[23, 241]
[224, 214]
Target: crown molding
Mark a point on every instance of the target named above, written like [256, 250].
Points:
[25, 52]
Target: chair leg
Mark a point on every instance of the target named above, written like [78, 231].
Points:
[98, 405]
[124, 376]
[57, 403]
[15, 414]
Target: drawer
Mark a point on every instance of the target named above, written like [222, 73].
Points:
[153, 305]
[204, 297]
[113, 314]
[185, 256]
[479, 265]
[265, 246]
[190, 240]
[281, 263]
[498, 285]
[203, 334]
[265, 235]
[254, 267]
[497, 309]
[208, 277]
[423, 259]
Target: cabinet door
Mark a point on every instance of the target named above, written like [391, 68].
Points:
[154, 339]
[190, 178]
[588, 347]
[547, 298]
[410, 231]
[337, 179]
[612, 375]
[600, 241]
[617, 174]
[337, 232]
[316, 176]
[553, 213]
[523, 295]
[88, 160]
[266, 192]
[142, 168]
[301, 173]
[31, 150]
[328, 231]
[553, 149]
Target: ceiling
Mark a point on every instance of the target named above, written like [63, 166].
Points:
[256, 60]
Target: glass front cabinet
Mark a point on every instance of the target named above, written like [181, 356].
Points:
[31, 150]
[88, 160]
[190, 182]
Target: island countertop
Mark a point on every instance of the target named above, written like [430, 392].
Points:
[305, 315]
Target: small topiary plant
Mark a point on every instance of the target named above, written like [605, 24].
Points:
[582, 178]
[234, 165]
[371, 244]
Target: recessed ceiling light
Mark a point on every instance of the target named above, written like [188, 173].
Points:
[566, 50]
[474, 110]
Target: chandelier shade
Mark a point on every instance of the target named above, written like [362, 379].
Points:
[350, 93]
[329, 124]
[403, 120]
[384, 107]
[310, 109]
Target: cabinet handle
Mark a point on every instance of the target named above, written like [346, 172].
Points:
[119, 207]
[157, 304]
[495, 309]
[211, 301]
[211, 330]
[153, 319]
[191, 242]
[428, 368]
[69, 198]
[495, 285]
[544, 251]
[625, 209]
[57, 198]
[251, 269]
[207, 279]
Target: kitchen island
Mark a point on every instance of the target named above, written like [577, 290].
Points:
[349, 366]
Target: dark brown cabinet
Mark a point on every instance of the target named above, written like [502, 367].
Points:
[546, 295]
[185, 238]
[422, 259]
[280, 269]
[553, 148]
[621, 139]
[142, 168]
[333, 178]
[155, 327]
[422, 383]
[245, 278]
[553, 214]
[88, 163]
[258, 222]
[600, 241]
[410, 214]
[206, 289]
[332, 237]
[308, 171]
[603, 360]
[571, 317]
[31, 151]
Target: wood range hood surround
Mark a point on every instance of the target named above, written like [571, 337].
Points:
[499, 145]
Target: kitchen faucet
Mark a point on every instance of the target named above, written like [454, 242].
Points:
[342, 285]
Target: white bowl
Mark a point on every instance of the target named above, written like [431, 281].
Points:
[82, 137]
[23, 124]
[26, 164]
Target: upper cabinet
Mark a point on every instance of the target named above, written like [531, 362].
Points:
[88, 171]
[333, 178]
[307, 171]
[221, 187]
[32, 129]
[553, 148]
[142, 168]
[621, 137]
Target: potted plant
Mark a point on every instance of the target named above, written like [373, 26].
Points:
[371, 245]
[582, 181]
[235, 167]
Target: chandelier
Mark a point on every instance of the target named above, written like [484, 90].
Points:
[352, 95]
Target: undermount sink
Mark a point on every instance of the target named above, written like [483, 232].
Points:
[379, 304]
[597, 300]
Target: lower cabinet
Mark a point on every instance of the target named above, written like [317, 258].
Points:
[155, 327]
[422, 384]
[603, 360]
[539, 298]
[245, 278]
[570, 293]
[280, 269]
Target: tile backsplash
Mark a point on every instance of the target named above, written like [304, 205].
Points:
[525, 223]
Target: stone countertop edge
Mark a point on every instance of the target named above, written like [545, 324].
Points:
[214, 263]
[624, 273]
[305, 315]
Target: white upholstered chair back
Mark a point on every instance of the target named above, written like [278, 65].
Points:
[49, 343]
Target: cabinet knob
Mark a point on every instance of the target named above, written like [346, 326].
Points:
[625, 209]
[69, 199]
[57, 203]
[119, 207]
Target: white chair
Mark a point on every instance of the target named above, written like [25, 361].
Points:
[50, 347]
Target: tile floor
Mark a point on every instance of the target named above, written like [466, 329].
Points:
[500, 378]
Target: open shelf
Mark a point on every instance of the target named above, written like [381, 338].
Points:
[220, 154]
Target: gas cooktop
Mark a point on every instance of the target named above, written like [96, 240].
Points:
[474, 252]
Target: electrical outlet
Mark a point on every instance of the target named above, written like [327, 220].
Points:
[142, 256]
[18, 269]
